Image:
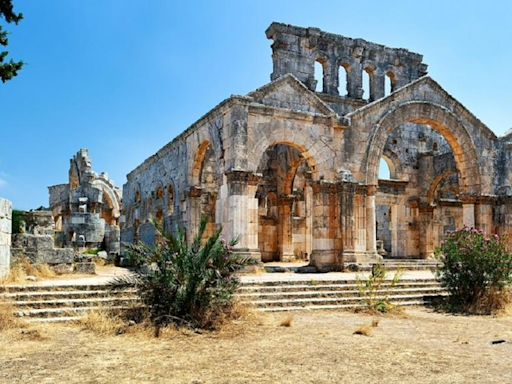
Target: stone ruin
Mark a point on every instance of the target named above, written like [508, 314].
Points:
[86, 210]
[36, 242]
[292, 168]
[5, 236]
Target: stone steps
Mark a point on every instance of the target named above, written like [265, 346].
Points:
[290, 295]
[432, 291]
[63, 303]
[339, 307]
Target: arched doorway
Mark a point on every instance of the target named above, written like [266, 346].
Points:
[284, 204]
[410, 224]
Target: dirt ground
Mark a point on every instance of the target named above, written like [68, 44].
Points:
[422, 347]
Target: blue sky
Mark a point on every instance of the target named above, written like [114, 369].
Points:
[123, 77]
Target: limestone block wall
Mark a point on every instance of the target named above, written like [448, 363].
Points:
[295, 50]
[5, 236]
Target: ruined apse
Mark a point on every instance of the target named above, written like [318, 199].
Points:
[86, 210]
[293, 169]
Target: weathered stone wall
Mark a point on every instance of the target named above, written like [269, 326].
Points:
[36, 242]
[294, 174]
[5, 236]
[87, 209]
[295, 50]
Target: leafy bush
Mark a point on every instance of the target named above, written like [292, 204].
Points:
[370, 289]
[476, 269]
[190, 285]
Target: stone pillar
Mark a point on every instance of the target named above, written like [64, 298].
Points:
[355, 81]
[284, 228]
[331, 77]
[484, 217]
[426, 232]
[371, 230]
[394, 231]
[193, 212]
[468, 214]
[377, 89]
[242, 212]
[5, 236]
[325, 254]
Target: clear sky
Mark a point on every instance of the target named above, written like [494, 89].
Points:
[123, 77]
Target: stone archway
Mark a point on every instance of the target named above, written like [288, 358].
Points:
[440, 120]
[416, 211]
[284, 197]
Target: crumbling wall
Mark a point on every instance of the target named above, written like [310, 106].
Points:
[86, 210]
[5, 236]
[36, 242]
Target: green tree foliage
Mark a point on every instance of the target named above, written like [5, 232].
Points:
[476, 269]
[8, 69]
[192, 285]
[18, 217]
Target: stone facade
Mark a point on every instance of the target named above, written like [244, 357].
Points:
[5, 236]
[36, 241]
[86, 210]
[294, 173]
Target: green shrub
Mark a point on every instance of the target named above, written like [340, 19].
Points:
[476, 269]
[190, 285]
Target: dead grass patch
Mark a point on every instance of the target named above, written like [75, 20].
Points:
[367, 330]
[8, 318]
[103, 322]
[23, 268]
[287, 321]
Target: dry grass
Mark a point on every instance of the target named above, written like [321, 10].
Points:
[23, 268]
[287, 321]
[367, 330]
[426, 347]
[8, 319]
[103, 322]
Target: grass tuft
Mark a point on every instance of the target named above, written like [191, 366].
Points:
[287, 321]
[8, 318]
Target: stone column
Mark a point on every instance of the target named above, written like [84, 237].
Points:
[331, 78]
[355, 81]
[324, 254]
[426, 238]
[371, 231]
[484, 216]
[284, 228]
[378, 86]
[5, 236]
[193, 212]
[468, 214]
[242, 212]
[348, 221]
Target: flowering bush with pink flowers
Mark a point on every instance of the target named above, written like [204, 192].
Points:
[477, 271]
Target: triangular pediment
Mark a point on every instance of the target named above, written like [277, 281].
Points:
[425, 89]
[288, 92]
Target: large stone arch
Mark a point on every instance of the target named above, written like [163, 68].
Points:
[442, 121]
[436, 183]
[113, 198]
[317, 154]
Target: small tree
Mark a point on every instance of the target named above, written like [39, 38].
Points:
[191, 285]
[8, 69]
[476, 269]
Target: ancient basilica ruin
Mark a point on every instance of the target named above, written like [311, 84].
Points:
[292, 168]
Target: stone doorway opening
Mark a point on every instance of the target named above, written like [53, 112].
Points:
[285, 211]
[418, 198]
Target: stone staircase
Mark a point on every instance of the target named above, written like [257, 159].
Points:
[61, 303]
[334, 294]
